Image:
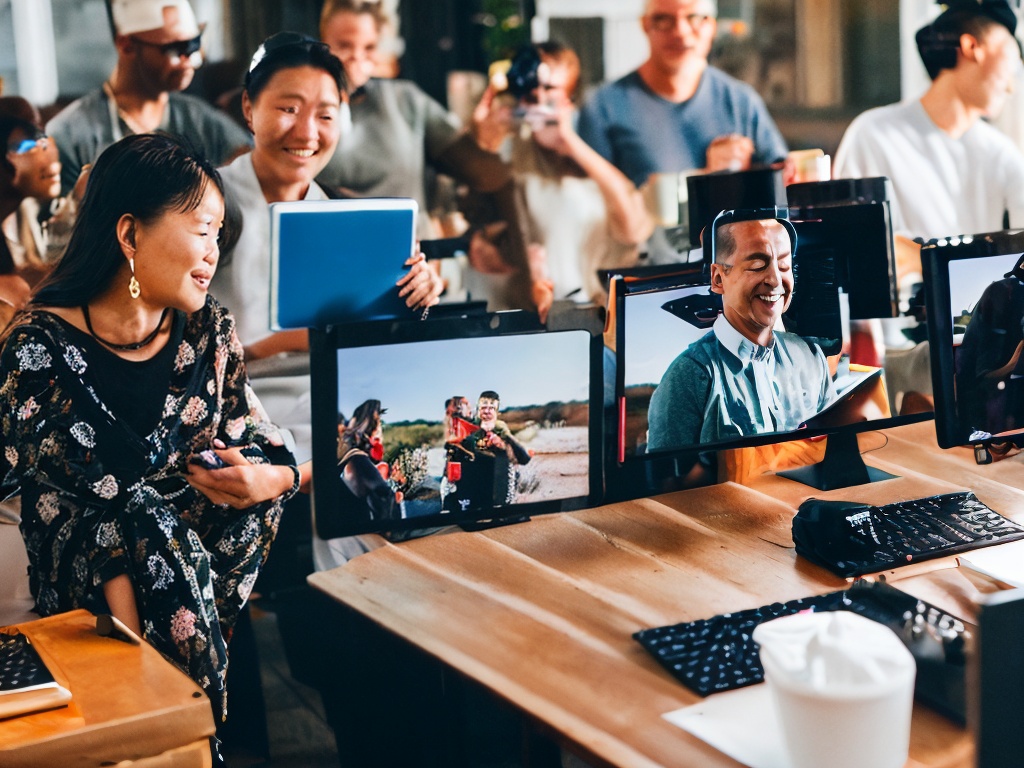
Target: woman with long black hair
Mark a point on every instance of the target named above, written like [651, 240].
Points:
[120, 374]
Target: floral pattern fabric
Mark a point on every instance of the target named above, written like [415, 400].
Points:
[99, 500]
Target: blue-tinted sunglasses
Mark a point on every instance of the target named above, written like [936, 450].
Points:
[40, 141]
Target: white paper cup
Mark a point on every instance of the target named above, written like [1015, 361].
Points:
[662, 196]
[850, 725]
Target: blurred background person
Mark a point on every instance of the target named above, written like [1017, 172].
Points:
[579, 212]
[396, 142]
[676, 112]
[951, 171]
[158, 45]
[35, 219]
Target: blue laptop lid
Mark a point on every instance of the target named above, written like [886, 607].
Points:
[337, 261]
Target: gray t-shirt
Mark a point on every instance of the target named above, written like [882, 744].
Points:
[90, 124]
[397, 130]
[641, 133]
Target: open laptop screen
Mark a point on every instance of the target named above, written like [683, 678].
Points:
[461, 421]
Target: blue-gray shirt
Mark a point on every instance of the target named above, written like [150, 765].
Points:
[641, 133]
[723, 386]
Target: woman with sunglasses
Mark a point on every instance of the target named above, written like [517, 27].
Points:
[124, 388]
[35, 220]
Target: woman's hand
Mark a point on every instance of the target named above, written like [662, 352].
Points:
[491, 120]
[421, 286]
[240, 484]
[552, 128]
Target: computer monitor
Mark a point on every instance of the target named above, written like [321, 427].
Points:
[849, 221]
[479, 418]
[817, 394]
[974, 289]
[844, 225]
[710, 193]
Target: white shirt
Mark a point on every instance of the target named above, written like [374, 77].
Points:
[761, 362]
[941, 186]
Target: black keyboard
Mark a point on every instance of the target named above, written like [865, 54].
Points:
[719, 654]
[852, 539]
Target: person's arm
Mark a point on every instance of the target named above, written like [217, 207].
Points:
[769, 145]
[49, 441]
[676, 412]
[277, 343]
[628, 220]
[70, 166]
[592, 127]
[364, 481]
[492, 120]
[265, 472]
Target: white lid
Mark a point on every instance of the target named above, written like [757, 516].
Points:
[835, 653]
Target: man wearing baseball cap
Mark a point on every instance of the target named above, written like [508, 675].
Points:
[158, 46]
[952, 173]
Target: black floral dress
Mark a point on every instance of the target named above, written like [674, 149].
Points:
[99, 500]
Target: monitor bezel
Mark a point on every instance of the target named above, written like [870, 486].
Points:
[324, 404]
[936, 256]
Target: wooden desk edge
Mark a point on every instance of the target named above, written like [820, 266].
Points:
[164, 730]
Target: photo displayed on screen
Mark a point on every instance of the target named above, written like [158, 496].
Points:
[460, 426]
[673, 338]
[987, 308]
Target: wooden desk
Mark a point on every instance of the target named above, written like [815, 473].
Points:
[128, 704]
[542, 612]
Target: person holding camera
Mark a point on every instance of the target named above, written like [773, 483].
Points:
[580, 213]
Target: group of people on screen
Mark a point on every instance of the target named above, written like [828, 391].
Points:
[134, 268]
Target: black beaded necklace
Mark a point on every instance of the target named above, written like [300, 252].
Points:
[125, 347]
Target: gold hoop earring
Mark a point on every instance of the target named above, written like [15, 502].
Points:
[134, 289]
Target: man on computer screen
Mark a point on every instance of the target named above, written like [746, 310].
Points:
[745, 376]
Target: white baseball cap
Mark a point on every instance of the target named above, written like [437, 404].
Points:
[131, 16]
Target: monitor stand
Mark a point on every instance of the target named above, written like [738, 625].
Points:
[842, 466]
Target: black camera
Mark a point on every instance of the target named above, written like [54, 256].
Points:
[522, 75]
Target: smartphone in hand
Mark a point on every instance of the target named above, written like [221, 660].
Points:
[207, 459]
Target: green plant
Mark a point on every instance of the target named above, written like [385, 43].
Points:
[505, 29]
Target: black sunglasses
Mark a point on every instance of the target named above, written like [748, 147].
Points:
[181, 49]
